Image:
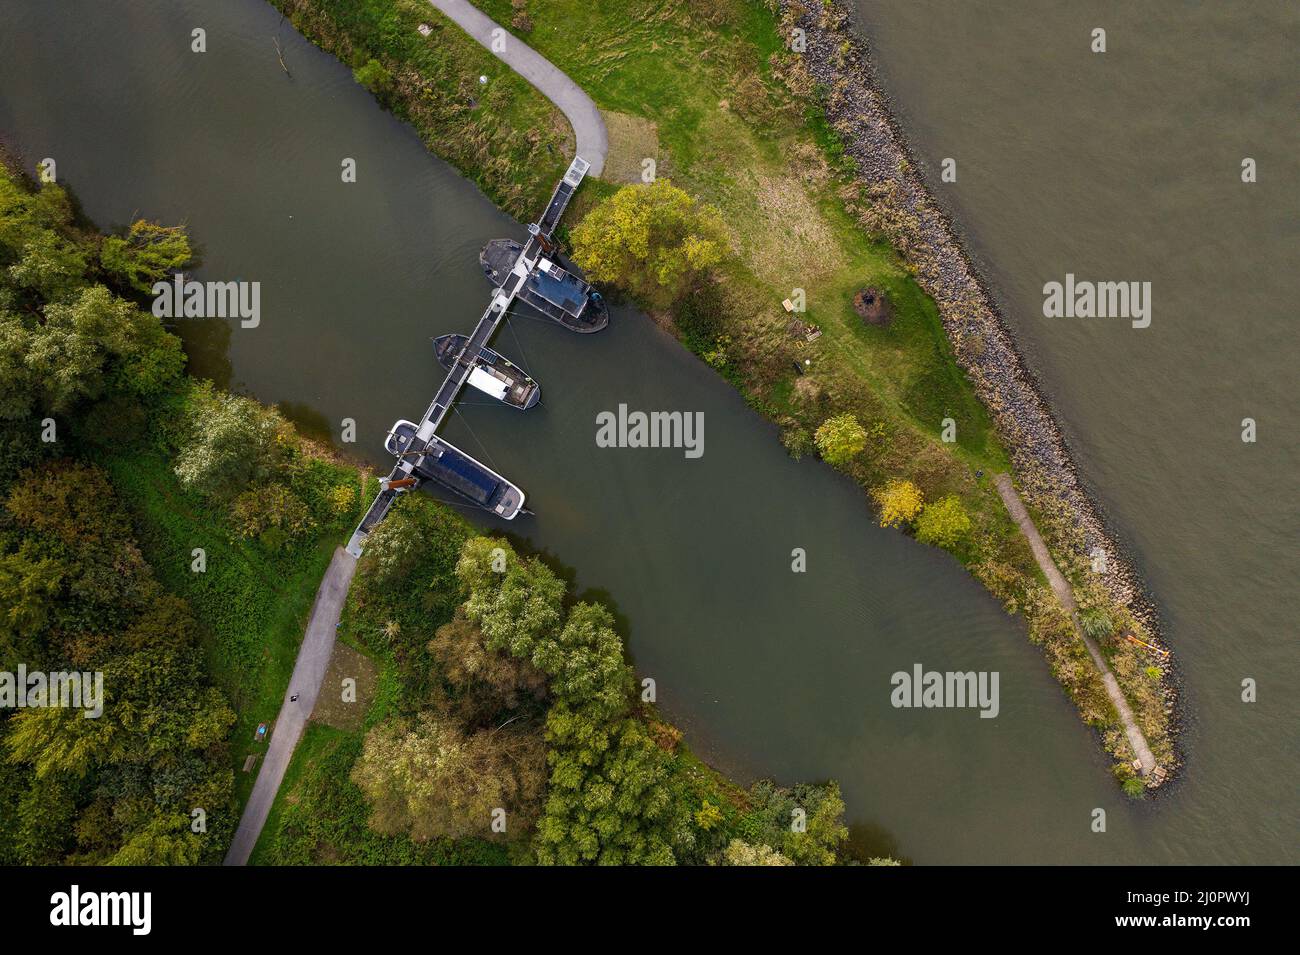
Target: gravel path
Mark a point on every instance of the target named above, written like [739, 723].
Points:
[568, 96]
[1061, 587]
[308, 672]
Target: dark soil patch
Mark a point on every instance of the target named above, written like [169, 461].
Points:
[872, 307]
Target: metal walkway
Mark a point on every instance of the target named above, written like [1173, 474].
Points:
[425, 440]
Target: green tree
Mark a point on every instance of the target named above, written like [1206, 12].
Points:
[29, 587]
[70, 503]
[267, 506]
[50, 265]
[804, 823]
[46, 814]
[97, 343]
[654, 240]
[609, 798]
[708, 816]
[426, 777]
[232, 442]
[25, 214]
[943, 523]
[739, 852]
[488, 684]
[17, 383]
[840, 439]
[148, 253]
[516, 607]
[585, 663]
[154, 708]
[164, 840]
[393, 549]
[608, 801]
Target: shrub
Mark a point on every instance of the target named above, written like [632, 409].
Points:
[233, 442]
[739, 852]
[900, 502]
[840, 438]
[1096, 624]
[708, 816]
[943, 523]
[797, 441]
[149, 252]
[428, 777]
[270, 506]
[374, 77]
[700, 316]
[343, 499]
[1134, 788]
[772, 809]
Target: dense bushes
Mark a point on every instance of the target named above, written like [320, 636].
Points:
[121, 788]
[76, 594]
[943, 523]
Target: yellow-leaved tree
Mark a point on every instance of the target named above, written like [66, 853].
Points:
[652, 240]
[900, 502]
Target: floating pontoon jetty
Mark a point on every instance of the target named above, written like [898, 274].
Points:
[422, 455]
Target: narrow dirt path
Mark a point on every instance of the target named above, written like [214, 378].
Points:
[1061, 587]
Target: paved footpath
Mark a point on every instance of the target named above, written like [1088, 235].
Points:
[308, 672]
[568, 96]
[1066, 595]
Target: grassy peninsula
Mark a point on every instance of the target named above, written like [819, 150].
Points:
[712, 93]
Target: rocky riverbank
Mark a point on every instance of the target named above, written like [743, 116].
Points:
[838, 61]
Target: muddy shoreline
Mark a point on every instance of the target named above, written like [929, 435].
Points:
[838, 59]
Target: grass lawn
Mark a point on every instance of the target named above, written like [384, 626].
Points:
[730, 135]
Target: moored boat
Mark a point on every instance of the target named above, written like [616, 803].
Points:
[491, 372]
[555, 286]
[440, 461]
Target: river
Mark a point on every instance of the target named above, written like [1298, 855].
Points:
[768, 672]
[1126, 165]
